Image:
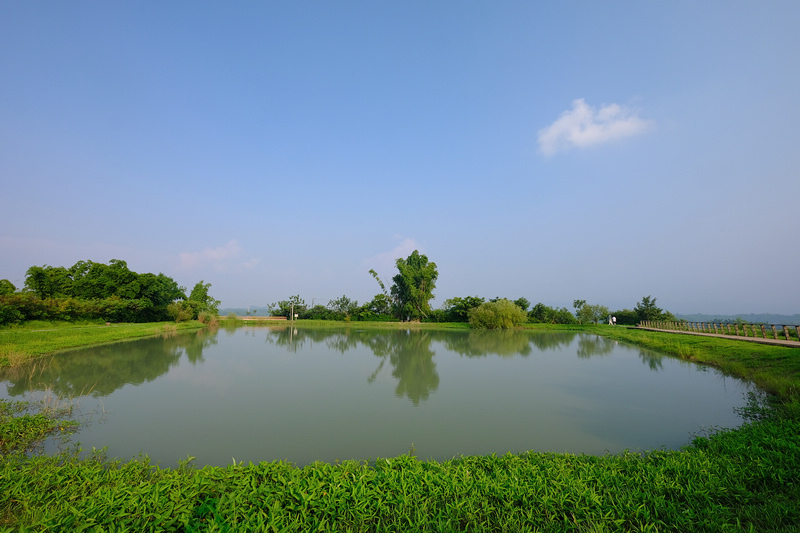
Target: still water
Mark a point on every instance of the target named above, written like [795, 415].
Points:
[303, 395]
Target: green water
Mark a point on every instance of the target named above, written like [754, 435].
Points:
[326, 394]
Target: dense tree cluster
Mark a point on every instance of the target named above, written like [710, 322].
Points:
[644, 310]
[111, 292]
[409, 299]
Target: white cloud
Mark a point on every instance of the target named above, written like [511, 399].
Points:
[385, 262]
[584, 126]
[220, 258]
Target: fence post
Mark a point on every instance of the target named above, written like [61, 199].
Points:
[764, 330]
[774, 332]
[786, 332]
[737, 329]
[798, 332]
[746, 331]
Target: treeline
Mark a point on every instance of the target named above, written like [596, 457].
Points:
[412, 290]
[110, 292]
[481, 313]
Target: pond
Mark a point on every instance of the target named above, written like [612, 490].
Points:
[327, 394]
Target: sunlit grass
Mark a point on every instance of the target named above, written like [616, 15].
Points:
[18, 344]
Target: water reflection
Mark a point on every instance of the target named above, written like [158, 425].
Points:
[409, 354]
[593, 345]
[101, 370]
[306, 394]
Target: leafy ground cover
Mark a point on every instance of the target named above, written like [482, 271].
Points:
[731, 480]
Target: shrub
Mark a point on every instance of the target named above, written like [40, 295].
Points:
[180, 312]
[500, 314]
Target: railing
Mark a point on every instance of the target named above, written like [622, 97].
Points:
[757, 331]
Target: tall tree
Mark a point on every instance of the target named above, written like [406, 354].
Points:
[201, 300]
[413, 286]
[6, 287]
[647, 310]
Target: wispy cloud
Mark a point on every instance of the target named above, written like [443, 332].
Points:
[584, 126]
[384, 263]
[221, 258]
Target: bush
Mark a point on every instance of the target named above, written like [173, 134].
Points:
[550, 315]
[500, 314]
[180, 312]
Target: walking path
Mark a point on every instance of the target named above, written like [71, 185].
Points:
[773, 342]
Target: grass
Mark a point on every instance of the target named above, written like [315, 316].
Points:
[19, 344]
[746, 479]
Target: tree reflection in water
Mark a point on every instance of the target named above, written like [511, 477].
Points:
[101, 370]
[591, 345]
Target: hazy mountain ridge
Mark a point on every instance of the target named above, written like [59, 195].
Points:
[751, 318]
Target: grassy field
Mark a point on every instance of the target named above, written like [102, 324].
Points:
[741, 480]
[19, 344]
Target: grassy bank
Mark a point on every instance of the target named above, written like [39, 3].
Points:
[19, 344]
[742, 480]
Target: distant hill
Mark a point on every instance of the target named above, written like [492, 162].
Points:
[752, 318]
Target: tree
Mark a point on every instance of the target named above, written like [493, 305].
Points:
[48, 282]
[343, 306]
[499, 314]
[6, 287]
[550, 315]
[286, 307]
[413, 286]
[626, 317]
[592, 313]
[578, 305]
[200, 301]
[523, 303]
[647, 310]
[457, 309]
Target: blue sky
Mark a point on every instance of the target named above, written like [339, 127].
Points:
[602, 151]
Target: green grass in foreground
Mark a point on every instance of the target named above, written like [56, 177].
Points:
[741, 480]
[19, 344]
